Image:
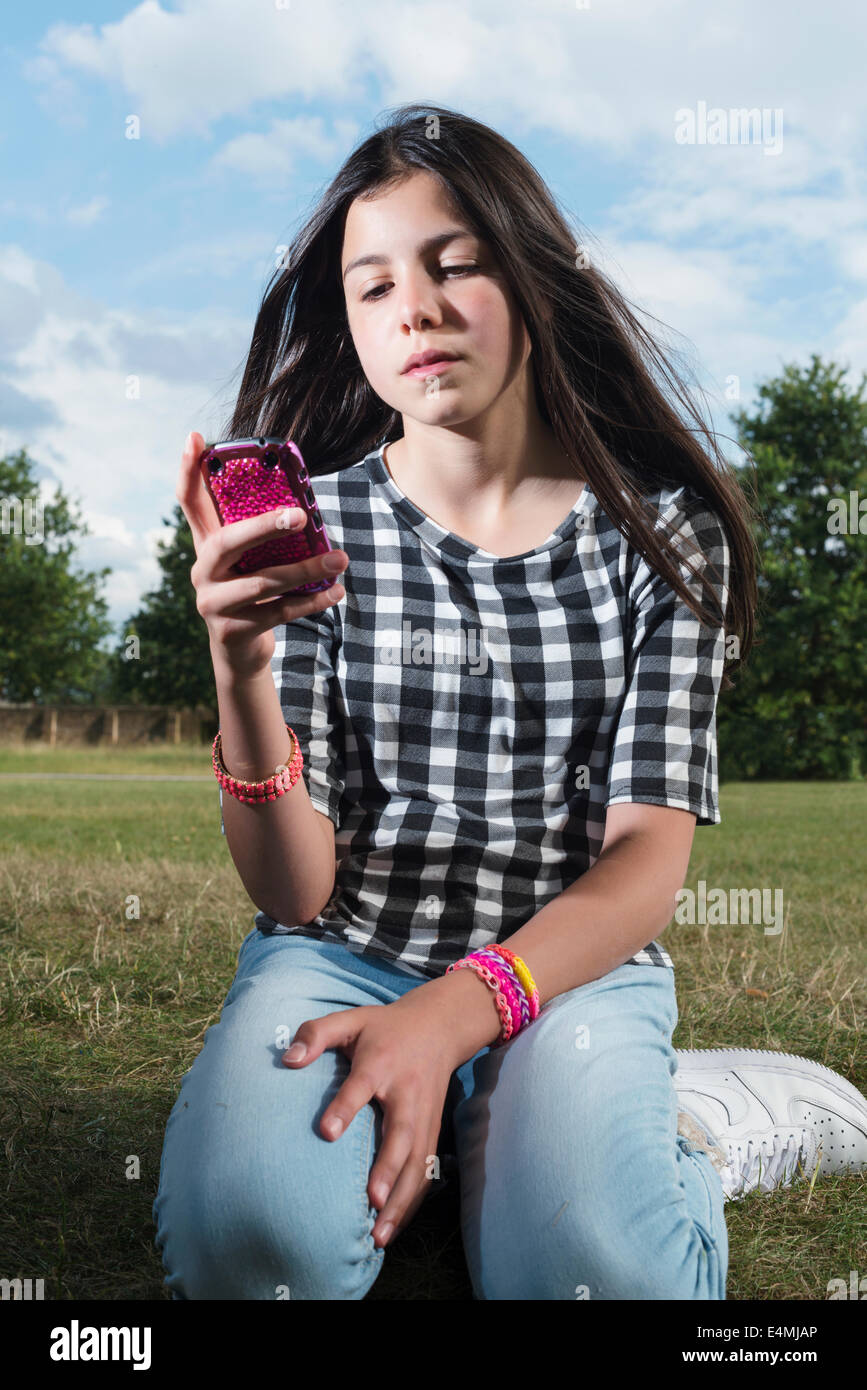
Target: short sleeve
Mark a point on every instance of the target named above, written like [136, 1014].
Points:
[304, 671]
[664, 745]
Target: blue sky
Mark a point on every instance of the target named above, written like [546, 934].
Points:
[127, 257]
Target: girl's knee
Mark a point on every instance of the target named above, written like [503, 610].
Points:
[686, 1267]
[595, 1261]
[246, 1241]
[267, 1211]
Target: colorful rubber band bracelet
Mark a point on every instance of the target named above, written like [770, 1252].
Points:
[493, 982]
[522, 971]
[496, 962]
[512, 991]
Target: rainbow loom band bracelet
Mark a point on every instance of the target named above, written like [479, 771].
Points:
[522, 970]
[493, 982]
[511, 992]
[505, 992]
[497, 962]
[285, 775]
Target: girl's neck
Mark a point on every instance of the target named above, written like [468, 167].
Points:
[463, 472]
[479, 507]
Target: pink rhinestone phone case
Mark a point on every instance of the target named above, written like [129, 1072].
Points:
[246, 477]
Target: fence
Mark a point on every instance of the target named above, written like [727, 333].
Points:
[66, 726]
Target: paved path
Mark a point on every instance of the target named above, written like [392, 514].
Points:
[111, 776]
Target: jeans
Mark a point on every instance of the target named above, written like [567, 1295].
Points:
[574, 1182]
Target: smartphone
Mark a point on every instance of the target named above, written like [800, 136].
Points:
[246, 477]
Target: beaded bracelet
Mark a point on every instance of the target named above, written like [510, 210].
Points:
[285, 775]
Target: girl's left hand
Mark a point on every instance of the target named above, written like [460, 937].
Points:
[400, 1057]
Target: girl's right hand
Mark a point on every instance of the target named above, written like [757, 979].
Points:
[242, 612]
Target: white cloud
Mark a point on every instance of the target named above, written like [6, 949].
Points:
[85, 214]
[183, 71]
[58, 93]
[268, 157]
[612, 74]
[607, 78]
[117, 458]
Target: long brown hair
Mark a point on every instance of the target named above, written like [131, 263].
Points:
[593, 361]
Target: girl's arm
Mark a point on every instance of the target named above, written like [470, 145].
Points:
[662, 781]
[284, 849]
[596, 924]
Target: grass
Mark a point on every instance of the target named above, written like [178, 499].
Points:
[102, 1014]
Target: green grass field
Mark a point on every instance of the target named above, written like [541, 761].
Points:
[102, 1015]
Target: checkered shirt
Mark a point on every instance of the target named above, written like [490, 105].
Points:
[467, 719]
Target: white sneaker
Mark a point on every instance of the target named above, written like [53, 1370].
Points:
[766, 1118]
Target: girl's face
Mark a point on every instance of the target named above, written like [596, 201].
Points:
[428, 283]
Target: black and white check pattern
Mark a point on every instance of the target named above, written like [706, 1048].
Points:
[466, 719]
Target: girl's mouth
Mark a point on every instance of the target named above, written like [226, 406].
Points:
[432, 368]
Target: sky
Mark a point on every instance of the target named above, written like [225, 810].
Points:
[146, 258]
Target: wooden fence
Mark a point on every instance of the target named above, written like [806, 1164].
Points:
[56, 726]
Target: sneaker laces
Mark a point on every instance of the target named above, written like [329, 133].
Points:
[768, 1164]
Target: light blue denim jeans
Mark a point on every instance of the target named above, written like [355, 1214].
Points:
[573, 1180]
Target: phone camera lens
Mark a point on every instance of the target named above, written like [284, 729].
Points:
[215, 465]
[269, 460]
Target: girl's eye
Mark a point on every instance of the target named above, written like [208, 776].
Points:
[460, 269]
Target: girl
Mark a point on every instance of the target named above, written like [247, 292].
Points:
[504, 719]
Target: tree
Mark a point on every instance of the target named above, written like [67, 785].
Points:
[52, 617]
[799, 708]
[169, 663]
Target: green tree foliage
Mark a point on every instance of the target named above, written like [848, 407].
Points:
[799, 708]
[170, 662]
[52, 615]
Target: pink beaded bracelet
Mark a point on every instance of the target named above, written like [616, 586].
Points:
[285, 776]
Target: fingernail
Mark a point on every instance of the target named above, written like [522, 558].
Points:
[385, 1231]
[333, 563]
[188, 441]
[296, 1052]
[335, 1126]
